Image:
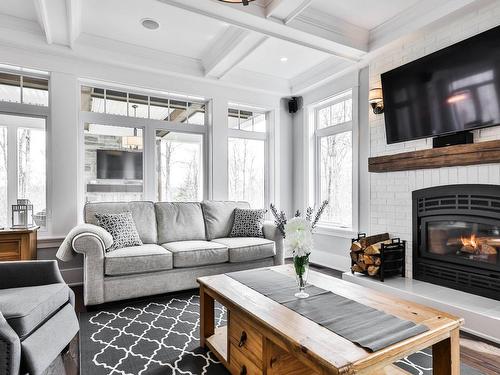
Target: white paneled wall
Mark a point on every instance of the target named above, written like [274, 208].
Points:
[390, 193]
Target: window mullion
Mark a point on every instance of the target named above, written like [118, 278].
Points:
[12, 163]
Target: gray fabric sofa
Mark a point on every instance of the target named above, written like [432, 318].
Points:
[37, 318]
[182, 241]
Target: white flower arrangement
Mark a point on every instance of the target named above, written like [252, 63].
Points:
[298, 236]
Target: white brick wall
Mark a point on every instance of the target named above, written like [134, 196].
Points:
[390, 193]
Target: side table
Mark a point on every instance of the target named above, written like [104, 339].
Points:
[18, 244]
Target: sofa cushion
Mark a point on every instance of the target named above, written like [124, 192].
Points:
[137, 259]
[219, 217]
[27, 307]
[179, 221]
[122, 229]
[248, 223]
[197, 253]
[245, 249]
[143, 213]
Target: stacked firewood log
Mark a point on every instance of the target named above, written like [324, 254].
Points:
[365, 253]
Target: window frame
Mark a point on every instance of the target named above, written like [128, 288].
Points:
[34, 111]
[149, 128]
[253, 135]
[325, 227]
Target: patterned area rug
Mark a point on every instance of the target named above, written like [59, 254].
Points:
[161, 336]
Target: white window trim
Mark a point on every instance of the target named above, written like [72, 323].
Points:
[267, 137]
[312, 144]
[149, 127]
[27, 110]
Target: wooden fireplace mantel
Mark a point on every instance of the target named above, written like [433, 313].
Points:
[476, 153]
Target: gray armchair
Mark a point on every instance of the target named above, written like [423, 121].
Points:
[37, 318]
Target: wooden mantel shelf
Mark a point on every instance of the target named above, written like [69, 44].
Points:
[476, 153]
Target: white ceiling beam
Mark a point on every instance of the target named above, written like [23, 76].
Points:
[43, 19]
[414, 18]
[221, 49]
[74, 14]
[53, 18]
[274, 6]
[252, 43]
[297, 11]
[229, 50]
[255, 20]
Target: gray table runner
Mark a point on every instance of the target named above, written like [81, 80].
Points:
[363, 325]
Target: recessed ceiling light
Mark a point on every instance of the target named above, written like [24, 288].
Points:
[150, 24]
[284, 59]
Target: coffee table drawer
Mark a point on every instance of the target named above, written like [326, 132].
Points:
[240, 364]
[246, 338]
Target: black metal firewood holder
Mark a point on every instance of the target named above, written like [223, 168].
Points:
[392, 258]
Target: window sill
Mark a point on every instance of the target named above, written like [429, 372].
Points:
[335, 231]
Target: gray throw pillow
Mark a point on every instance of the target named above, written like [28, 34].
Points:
[122, 229]
[248, 223]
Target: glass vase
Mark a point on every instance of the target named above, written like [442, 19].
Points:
[301, 265]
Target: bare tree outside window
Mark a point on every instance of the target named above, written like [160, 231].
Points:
[24, 138]
[4, 218]
[179, 166]
[336, 178]
[31, 170]
[335, 164]
[246, 171]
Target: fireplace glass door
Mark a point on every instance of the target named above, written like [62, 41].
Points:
[465, 241]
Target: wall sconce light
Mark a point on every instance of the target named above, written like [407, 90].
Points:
[376, 100]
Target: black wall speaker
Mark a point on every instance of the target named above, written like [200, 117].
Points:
[293, 104]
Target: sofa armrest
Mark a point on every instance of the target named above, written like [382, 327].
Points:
[93, 249]
[10, 349]
[67, 249]
[29, 273]
[271, 232]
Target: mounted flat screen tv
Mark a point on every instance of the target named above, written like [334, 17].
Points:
[453, 90]
[119, 165]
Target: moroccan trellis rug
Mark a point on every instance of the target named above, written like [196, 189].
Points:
[161, 336]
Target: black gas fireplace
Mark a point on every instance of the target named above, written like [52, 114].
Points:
[456, 237]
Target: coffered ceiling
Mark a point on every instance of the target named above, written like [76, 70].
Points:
[280, 46]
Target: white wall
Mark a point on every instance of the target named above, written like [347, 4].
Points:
[330, 247]
[390, 193]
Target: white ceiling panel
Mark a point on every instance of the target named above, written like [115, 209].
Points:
[267, 57]
[19, 8]
[364, 13]
[181, 32]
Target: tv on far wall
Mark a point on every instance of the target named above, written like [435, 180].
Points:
[453, 90]
[119, 165]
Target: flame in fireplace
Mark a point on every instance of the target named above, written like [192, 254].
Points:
[470, 241]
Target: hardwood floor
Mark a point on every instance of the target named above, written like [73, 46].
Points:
[477, 353]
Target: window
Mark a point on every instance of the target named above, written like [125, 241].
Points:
[22, 173]
[4, 204]
[334, 160]
[118, 165]
[247, 157]
[24, 89]
[246, 120]
[179, 166]
[114, 102]
[113, 163]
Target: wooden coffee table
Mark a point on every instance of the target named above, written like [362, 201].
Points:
[264, 337]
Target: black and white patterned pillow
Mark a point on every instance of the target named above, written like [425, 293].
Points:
[122, 229]
[248, 223]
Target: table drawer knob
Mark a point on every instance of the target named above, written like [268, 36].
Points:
[243, 339]
[243, 370]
